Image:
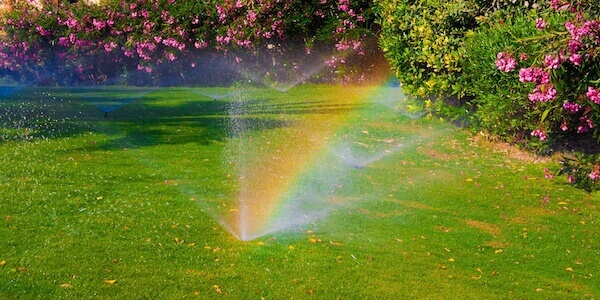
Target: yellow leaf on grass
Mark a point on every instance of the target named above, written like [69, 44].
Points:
[569, 269]
[312, 240]
[469, 179]
[498, 251]
[111, 281]
[291, 247]
[2, 263]
[66, 285]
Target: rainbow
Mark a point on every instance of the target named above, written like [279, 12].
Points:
[274, 168]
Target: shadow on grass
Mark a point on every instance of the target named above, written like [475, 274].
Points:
[140, 117]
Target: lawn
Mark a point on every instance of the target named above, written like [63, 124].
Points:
[128, 193]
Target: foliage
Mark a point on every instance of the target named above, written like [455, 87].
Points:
[422, 40]
[91, 43]
[582, 170]
[535, 76]
[500, 105]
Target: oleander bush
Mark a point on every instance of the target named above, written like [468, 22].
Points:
[46, 43]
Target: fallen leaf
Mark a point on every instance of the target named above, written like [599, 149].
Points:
[291, 247]
[569, 269]
[469, 179]
[260, 243]
[312, 240]
[111, 281]
[66, 285]
[335, 244]
[451, 260]
[498, 251]
[217, 289]
[3, 263]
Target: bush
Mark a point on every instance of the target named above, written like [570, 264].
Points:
[500, 105]
[80, 43]
[423, 42]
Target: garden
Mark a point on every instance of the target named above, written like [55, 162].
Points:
[263, 150]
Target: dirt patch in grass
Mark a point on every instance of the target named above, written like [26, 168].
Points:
[509, 150]
[492, 229]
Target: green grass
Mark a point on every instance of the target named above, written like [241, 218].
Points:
[85, 200]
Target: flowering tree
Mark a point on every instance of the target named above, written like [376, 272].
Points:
[91, 43]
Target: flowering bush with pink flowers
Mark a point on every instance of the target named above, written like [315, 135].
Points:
[67, 43]
[535, 79]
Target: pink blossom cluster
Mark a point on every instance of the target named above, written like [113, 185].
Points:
[541, 23]
[505, 62]
[571, 107]
[585, 124]
[593, 94]
[543, 93]
[534, 74]
[560, 5]
[540, 134]
[552, 61]
[595, 174]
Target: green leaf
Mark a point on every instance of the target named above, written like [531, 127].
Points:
[545, 114]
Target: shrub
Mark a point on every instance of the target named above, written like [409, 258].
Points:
[93, 43]
[500, 104]
[423, 42]
[535, 78]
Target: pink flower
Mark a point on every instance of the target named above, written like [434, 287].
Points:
[548, 174]
[504, 62]
[523, 56]
[541, 23]
[559, 5]
[540, 134]
[575, 59]
[571, 179]
[595, 174]
[552, 62]
[543, 93]
[585, 125]
[593, 95]
[574, 46]
[571, 107]
[200, 44]
[534, 74]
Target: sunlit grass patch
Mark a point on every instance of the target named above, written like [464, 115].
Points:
[127, 207]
